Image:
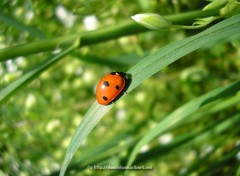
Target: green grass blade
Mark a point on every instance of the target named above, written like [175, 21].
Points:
[20, 26]
[216, 131]
[13, 87]
[172, 52]
[211, 130]
[181, 113]
[146, 68]
[223, 161]
[90, 119]
[99, 153]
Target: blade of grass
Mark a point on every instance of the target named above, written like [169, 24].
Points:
[17, 84]
[219, 163]
[20, 26]
[198, 136]
[90, 119]
[225, 125]
[211, 108]
[181, 113]
[99, 153]
[166, 55]
[102, 155]
[146, 68]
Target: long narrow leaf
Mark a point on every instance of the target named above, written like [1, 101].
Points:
[146, 68]
[181, 113]
[210, 130]
[20, 26]
[13, 87]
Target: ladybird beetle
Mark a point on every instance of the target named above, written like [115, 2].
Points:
[110, 87]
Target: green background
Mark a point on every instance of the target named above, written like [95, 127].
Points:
[39, 116]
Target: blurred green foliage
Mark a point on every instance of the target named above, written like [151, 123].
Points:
[37, 122]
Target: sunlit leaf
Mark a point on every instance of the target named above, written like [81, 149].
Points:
[181, 113]
[13, 87]
[145, 69]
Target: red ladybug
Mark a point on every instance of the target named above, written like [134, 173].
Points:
[110, 87]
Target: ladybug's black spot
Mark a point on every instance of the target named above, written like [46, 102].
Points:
[117, 87]
[106, 83]
[105, 98]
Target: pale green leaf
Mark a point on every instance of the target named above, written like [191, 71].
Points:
[145, 69]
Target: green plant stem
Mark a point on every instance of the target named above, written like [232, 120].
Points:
[195, 26]
[97, 36]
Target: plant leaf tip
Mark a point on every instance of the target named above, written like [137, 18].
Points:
[136, 17]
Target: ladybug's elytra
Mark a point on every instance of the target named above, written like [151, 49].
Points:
[110, 87]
